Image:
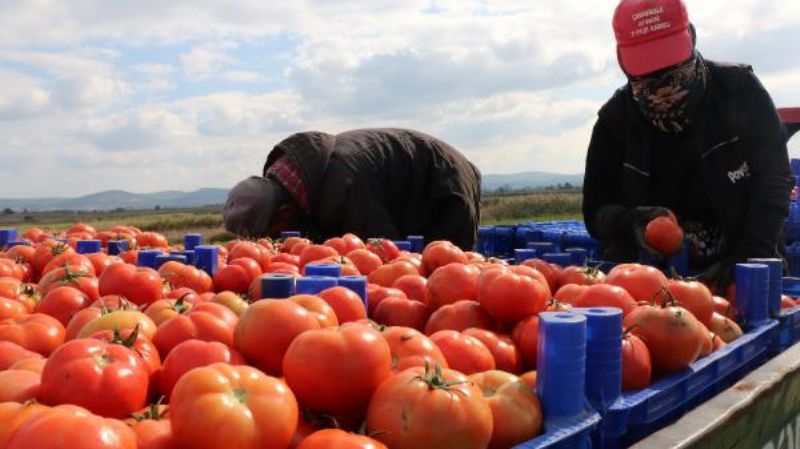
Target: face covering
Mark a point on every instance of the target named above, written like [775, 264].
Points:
[668, 98]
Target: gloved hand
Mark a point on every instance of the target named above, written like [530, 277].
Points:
[639, 218]
[719, 275]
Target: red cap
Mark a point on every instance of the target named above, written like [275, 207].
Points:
[652, 35]
[789, 115]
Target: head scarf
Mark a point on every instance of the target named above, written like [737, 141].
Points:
[668, 98]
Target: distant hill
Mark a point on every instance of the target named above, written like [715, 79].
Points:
[529, 180]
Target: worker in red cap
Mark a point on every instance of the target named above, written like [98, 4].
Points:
[697, 137]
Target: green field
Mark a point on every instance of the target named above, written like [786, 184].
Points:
[496, 209]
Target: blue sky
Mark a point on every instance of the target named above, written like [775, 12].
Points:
[155, 95]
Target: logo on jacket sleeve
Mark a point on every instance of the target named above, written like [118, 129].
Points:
[740, 173]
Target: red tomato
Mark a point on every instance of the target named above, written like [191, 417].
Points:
[314, 253]
[36, 332]
[636, 365]
[237, 275]
[152, 428]
[366, 261]
[164, 309]
[526, 338]
[395, 311]
[62, 303]
[118, 319]
[385, 249]
[250, 250]
[223, 406]
[231, 300]
[569, 293]
[71, 427]
[451, 283]
[459, 316]
[101, 261]
[506, 356]
[206, 321]
[151, 240]
[193, 354]
[440, 253]
[509, 297]
[606, 295]
[664, 235]
[787, 303]
[141, 346]
[404, 409]
[19, 385]
[644, 283]
[33, 365]
[140, 285]
[9, 308]
[516, 411]
[107, 379]
[267, 328]
[413, 285]
[339, 439]
[582, 276]
[12, 353]
[319, 308]
[346, 303]
[71, 276]
[672, 334]
[464, 353]
[70, 259]
[693, 296]
[14, 414]
[377, 293]
[411, 348]
[337, 370]
[386, 275]
[46, 252]
[347, 267]
[181, 275]
[551, 272]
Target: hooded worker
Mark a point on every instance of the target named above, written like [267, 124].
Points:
[697, 137]
[387, 183]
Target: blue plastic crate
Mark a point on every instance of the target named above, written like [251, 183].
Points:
[788, 332]
[640, 413]
[570, 434]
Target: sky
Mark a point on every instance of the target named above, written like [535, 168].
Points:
[183, 94]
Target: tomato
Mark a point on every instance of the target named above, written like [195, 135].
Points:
[725, 328]
[101, 261]
[13, 414]
[440, 253]
[417, 408]
[411, 348]
[386, 275]
[34, 365]
[365, 261]
[526, 338]
[121, 320]
[606, 295]
[664, 235]
[413, 285]
[695, 297]
[36, 332]
[69, 259]
[314, 253]
[206, 321]
[451, 283]
[9, 268]
[509, 297]
[62, 303]
[346, 266]
[336, 370]
[193, 354]
[72, 276]
[140, 346]
[582, 276]
[506, 356]
[339, 439]
[71, 427]
[787, 303]
[151, 240]
[672, 334]
[319, 308]
[395, 311]
[107, 379]
[644, 283]
[267, 328]
[223, 406]
[570, 293]
[250, 250]
[346, 303]
[18, 385]
[181, 275]
[102, 306]
[377, 293]
[459, 316]
[383, 248]
[14, 288]
[516, 410]
[464, 353]
[231, 300]
[164, 309]
[12, 353]
[140, 285]
[46, 251]
[551, 272]
[9, 308]
[288, 245]
[152, 428]
[636, 365]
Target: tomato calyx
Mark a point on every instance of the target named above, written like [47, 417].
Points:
[129, 342]
[180, 305]
[71, 277]
[435, 379]
[153, 412]
[57, 250]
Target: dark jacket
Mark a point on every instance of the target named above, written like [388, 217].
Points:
[386, 183]
[738, 143]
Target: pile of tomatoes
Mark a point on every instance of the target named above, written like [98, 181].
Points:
[96, 352]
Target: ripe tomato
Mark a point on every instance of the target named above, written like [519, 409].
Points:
[347, 267]
[411, 348]
[36, 332]
[464, 353]
[346, 303]
[440, 253]
[69, 259]
[222, 406]
[664, 235]
[377, 293]
[206, 321]
[644, 283]
[582, 276]
[140, 346]
[102, 306]
[403, 409]
[506, 356]
[181, 275]
[46, 251]
[365, 261]
[385, 249]
[672, 334]
[319, 308]
[72, 276]
[151, 240]
[314, 253]
[413, 285]
[192, 354]
[13, 414]
[164, 309]
[339, 439]
[267, 328]
[71, 427]
[62, 303]
[452, 282]
[250, 250]
[395, 311]
[725, 328]
[19, 385]
[12, 353]
[33, 365]
[509, 297]
[140, 285]
[569, 293]
[121, 320]
[787, 303]
[386, 275]
[526, 338]
[231, 300]
[459, 316]
[606, 295]
[101, 261]
[693, 296]
[107, 379]
[14, 288]
[9, 308]
[152, 428]
[636, 365]
[551, 272]
[516, 411]
[336, 370]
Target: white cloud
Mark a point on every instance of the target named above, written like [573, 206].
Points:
[155, 70]
[205, 60]
[242, 76]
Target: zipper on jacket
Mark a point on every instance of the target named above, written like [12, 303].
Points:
[635, 169]
[721, 144]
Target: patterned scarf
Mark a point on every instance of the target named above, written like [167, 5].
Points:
[668, 98]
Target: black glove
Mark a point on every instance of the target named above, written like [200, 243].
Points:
[637, 220]
[719, 275]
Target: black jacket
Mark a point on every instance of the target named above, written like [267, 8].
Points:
[740, 147]
[386, 183]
